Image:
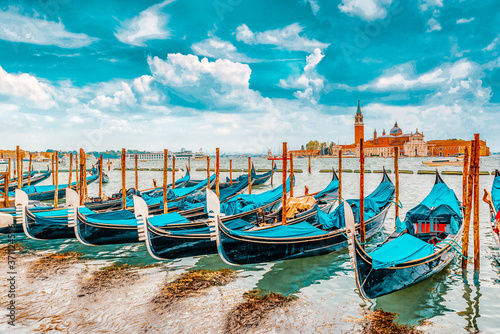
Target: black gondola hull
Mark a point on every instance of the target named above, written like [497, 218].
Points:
[238, 251]
[374, 283]
[100, 234]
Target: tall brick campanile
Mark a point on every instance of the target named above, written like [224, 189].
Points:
[359, 126]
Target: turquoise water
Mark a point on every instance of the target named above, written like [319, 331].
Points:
[451, 299]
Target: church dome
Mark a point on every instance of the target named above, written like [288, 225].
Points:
[396, 131]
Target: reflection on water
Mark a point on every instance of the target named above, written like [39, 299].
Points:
[471, 298]
[448, 299]
[421, 301]
[289, 277]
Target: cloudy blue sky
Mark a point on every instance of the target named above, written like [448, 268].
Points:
[244, 75]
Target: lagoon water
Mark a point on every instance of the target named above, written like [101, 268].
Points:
[450, 301]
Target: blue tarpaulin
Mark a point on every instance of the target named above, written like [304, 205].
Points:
[331, 189]
[441, 203]
[373, 205]
[299, 230]
[246, 202]
[402, 249]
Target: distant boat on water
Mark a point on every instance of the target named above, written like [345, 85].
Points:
[444, 162]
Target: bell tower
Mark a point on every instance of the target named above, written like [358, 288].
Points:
[359, 126]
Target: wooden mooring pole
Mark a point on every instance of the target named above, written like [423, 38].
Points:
[340, 175]
[468, 205]
[283, 213]
[82, 176]
[173, 171]
[30, 166]
[230, 172]
[464, 177]
[477, 254]
[53, 174]
[136, 172]
[6, 188]
[124, 189]
[362, 190]
[85, 189]
[77, 175]
[208, 172]
[9, 169]
[272, 173]
[291, 175]
[56, 183]
[217, 172]
[70, 169]
[100, 177]
[309, 162]
[18, 170]
[249, 175]
[165, 172]
[396, 180]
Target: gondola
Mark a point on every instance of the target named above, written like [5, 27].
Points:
[53, 224]
[258, 179]
[8, 223]
[115, 202]
[181, 238]
[14, 179]
[118, 227]
[45, 225]
[35, 179]
[322, 232]
[47, 192]
[423, 245]
[493, 201]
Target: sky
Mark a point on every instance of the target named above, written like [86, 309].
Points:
[244, 75]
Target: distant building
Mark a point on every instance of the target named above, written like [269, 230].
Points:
[304, 153]
[451, 147]
[410, 144]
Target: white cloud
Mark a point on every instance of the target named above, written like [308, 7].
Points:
[187, 70]
[430, 4]
[464, 20]
[122, 97]
[214, 47]
[143, 83]
[368, 10]
[149, 24]
[433, 24]
[287, 38]
[450, 83]
[15, 27]
[26, 87]
[492, 45]
[309, 81]
[403, 77]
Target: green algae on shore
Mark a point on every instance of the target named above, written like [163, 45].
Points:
[53, 264]
[190, 283]
[256, 306]
[108, 277]
[382, 322]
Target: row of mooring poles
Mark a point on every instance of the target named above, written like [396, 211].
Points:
[470, 200]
